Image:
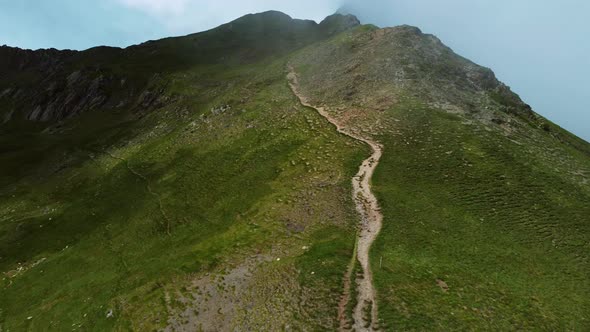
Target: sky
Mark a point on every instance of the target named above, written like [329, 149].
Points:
[541, 48]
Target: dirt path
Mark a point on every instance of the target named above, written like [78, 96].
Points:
[365, 313]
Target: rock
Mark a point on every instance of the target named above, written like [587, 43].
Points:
[443, 285]
[74, 77]
[7, 92]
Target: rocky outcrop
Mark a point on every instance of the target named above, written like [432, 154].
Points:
[52, 85]
[74, 95]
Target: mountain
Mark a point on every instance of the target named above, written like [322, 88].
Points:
[54, 85]
[204, 183]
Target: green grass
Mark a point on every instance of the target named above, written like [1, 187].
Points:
[497, 223]
[230, 185]
[322, 267]
[493, 201]
[123, 211]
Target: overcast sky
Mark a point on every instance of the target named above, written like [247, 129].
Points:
[541, 48]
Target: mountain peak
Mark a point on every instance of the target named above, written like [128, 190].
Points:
[339, 22]
[271, 14]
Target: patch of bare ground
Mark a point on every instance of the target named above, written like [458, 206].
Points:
[211, 302]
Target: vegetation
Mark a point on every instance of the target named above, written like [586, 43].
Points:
[485, 203]
[181, 195]
[193, 190]
[488, 216]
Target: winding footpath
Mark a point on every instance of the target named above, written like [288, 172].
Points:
[365, 313]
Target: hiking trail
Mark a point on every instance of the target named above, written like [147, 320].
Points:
[365, 313]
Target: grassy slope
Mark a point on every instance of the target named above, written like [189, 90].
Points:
[231, 184]
[503, 221]
[502, 224]
[498, 213]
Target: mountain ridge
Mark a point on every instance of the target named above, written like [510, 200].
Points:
[198, 183]
[161, 56]
[334, 17]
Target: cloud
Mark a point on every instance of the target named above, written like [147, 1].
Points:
[186, 16]
[159, 8]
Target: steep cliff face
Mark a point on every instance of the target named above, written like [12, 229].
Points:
[51, 85]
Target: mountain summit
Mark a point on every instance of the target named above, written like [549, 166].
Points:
[279, 174]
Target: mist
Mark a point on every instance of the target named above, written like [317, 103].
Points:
[540, 48]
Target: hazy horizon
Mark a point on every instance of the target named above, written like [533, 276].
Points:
[545, 63]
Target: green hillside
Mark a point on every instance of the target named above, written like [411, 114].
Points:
[486, 204]
[181, 185]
